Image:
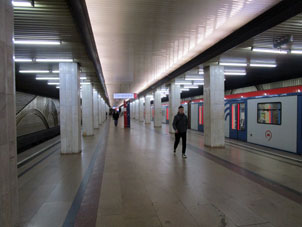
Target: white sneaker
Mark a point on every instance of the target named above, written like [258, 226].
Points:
[184, 155]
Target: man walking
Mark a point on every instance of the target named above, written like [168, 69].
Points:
[180, 125]
[115, 117]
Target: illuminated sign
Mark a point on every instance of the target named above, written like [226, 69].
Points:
[123, 96]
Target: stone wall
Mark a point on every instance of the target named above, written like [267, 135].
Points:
[35, 113]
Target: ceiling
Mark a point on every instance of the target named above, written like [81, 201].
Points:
[288, 65]
[50, 20]
[141, 41]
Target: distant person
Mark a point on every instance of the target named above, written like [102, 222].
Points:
[180, 125]
[106, 115]
[115, 116]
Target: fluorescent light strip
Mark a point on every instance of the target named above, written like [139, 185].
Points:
[264, 65]
[23, 60]
[198, 83]
[232, 64]
[47, 78]
[58, 87]
[296, 51]
[83, 78]
[193, 78]
[273, 51]
[185, 89]
[55, 71]
[34, 71]
[192, 86]
[235, 73]
[183, 83]
[53, 83]
[54, 60]
[36, 42]
[85, 83]
[22, 4]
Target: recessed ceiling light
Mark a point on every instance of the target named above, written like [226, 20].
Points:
[263, 65]
[296, 51]
[54, 60]
[192, 86]
[36, 42]
[235, 73]
[22, 3]
[232, 64]
[33, 71]
[266, 50]
[47, 78]
[23, 60]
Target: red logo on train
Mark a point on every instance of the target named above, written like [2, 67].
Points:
[268, 135]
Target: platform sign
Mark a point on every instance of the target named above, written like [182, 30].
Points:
[123, 96]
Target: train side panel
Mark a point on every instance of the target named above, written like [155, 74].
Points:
[272, 122]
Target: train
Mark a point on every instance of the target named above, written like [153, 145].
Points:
[270, 118]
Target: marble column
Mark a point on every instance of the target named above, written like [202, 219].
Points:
[137, 110]
[95, 110]
[70, 112]
[157, 109]
[100, 109]
[8, 153]
[174, 103]
[87, 110]
[103, 110]
[147, 109]
[214, 106]
[141, 109]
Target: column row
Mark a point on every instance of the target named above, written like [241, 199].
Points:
[93, 113]
[213, 106]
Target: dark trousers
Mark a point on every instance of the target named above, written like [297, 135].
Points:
[115, 122]
[183, 136]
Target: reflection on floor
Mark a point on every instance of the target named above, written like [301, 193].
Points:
[130, 177]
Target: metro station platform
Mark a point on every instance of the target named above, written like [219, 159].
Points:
[130, 177]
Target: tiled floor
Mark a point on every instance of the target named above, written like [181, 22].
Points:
[144, 184]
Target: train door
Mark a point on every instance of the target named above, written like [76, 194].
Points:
[200, 117]
[238, 119]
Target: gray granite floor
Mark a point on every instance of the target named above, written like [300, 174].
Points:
[144, 184]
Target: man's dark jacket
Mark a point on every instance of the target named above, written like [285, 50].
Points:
[115, 116]
[180, 123]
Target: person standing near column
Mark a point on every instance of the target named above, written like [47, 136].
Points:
[180, 125]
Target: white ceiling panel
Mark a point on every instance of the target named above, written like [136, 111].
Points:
[141, 41]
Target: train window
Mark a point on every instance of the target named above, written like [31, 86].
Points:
[269, 113]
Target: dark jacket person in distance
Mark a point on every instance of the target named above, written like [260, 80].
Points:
[115, 116]
[180, 125]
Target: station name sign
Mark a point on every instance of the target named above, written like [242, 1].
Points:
[124, 95]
